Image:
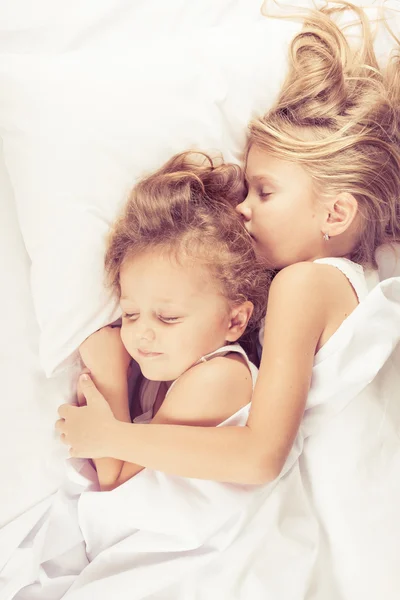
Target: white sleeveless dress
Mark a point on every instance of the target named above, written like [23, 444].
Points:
[149, 389]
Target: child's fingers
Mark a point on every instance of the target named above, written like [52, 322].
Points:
[59, 426]
[92, 394]
[80, 397]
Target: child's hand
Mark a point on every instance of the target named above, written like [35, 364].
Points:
[103, 353]
[88, 430]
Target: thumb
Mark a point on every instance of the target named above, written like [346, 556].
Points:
[80, 397]
[89, 390]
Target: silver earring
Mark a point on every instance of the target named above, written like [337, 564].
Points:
[326, 237]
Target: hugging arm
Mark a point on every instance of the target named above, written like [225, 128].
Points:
[105, 357]
[216, 389]
[254, 454]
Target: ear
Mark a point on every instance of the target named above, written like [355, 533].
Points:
[240, 316]
[340, 214]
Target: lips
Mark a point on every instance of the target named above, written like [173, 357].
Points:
[147, 354]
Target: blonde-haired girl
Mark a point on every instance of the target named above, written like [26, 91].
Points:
[323, 181]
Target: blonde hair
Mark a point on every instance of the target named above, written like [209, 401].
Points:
[187, 208]
[338, 115]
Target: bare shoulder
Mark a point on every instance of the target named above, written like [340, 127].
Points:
[314, 296]
[317, 283]
[307, 276]
[208, 393]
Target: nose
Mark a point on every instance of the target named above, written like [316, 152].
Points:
[244, 209]
[145, 333]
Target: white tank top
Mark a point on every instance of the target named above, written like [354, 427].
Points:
[149, 389]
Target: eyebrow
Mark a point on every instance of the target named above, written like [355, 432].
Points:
[161, 300]
[265, 178]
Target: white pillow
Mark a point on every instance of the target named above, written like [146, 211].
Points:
[137, 82]
[79, 127]
[59, 26]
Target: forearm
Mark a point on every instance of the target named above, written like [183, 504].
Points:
[116, 392]
[229, 454]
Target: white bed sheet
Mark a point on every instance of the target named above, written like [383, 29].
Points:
[327, 529]
[30, 456]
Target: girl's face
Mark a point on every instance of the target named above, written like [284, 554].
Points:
[281, 211]
[172, 314]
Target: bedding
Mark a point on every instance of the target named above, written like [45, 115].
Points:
[162, 536]
[30, 460]
[79, 127]
[124, 86]
[80, 90]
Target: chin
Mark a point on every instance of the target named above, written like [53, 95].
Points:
[158, 373]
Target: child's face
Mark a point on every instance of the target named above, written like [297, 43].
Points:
[280, 211]
[172, 314]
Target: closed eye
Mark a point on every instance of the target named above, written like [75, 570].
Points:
[130, 316]
[169, 319]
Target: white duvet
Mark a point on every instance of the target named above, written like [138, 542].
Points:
[159, 536]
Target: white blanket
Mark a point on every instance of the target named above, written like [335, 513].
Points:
[159, 536]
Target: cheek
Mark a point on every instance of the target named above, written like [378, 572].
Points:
[262, 216]
[275, 220]
[269, 229]
[125, 336]
[178, 342]
[181, 344]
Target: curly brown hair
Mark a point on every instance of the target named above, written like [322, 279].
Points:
[187, 208]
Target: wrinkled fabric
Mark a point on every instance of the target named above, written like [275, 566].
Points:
[159, 536]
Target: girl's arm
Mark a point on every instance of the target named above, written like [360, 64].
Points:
[108, 361]
[305, 303]
[256, 453]
[116, 392]
[217, 389]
